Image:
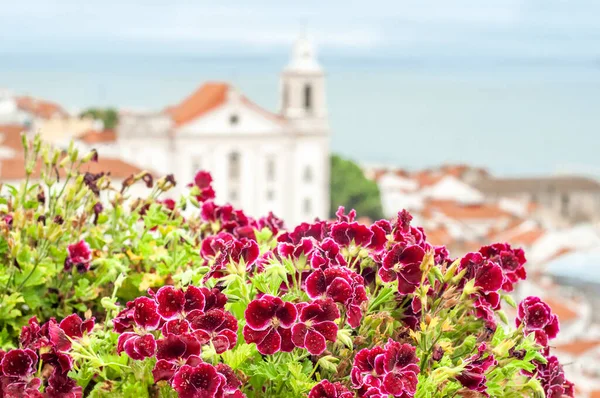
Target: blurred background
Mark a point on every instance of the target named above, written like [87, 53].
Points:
[480, 117]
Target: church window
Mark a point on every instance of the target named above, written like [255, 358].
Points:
[270, 194]
[233, 195]
[565, 204]
[234, 119]
[270, 169]
[308, 175]
[308, 97]
[307, 206]
[196, 165]
[234, 166]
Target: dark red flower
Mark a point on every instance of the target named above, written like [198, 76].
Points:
[175, 347]
[62, 386]
[202, 182]
[215, 326]
[346, 234]
[316, 326]
[171, 302]
[553, 379]
[175, 326]
[32, 336]
[316, 231]
[363, 371]
[214, 298]
[268, 320]
[473, 375]
[136, 346]
[202, 179]
[75, 327]
[326, 254]
[232, 383]
[272, 222]
[124, 321]
[194, 299]
[58, 359]
[510, 260]
[333, 282]
[399, 364]
[403, 263]
[79, 255]
[327, 389]
[343, 217]
[295, 251]
[145, 313]
[537, 317]
[19, 363]
[200, 381]
[165, 370]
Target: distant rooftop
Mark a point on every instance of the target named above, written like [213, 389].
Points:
[536, 185]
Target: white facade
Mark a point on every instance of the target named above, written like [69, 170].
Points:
[260, 161]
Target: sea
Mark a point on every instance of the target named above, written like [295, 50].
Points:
[512, 116]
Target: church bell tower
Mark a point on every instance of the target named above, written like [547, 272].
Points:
[302, 89]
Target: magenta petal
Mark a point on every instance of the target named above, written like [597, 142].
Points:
[145, 345]
[254, 336]
[339, 290]
[314, 342]
[553, 327]
[170, 301]
[170, 348]
[145, 313]
[259, 313]
[328, 329]
[316, 284]
[287, 314]
[287, 344]
[176, 326]
[163, 370]
[194, 299]
[201, 381]
[270, 344]
[412, 254]
[209, 321]
[299, 334]
[19, 363]
[387, 275]
[489, 277]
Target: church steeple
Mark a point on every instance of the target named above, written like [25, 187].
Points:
[303, 85]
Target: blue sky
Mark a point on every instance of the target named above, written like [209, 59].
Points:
[464, 28]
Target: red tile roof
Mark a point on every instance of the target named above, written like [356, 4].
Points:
[98, 137]
[205, 99]
[565, 314]
[208, 97]
[578, 347]
[11, 136]
[14, 169]
[462, 211]
[41, 108]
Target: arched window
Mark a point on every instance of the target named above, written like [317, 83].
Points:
[565, 204]
[307, 206]
[271, 169]
[308, 175]
[196, 166]
[308, 97]
[234, 165]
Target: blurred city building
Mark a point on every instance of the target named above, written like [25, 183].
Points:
[260, 160]
[554, 219]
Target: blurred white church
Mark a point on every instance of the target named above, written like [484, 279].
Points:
[261, 161]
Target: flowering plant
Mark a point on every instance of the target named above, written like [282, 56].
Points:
[154, 297]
